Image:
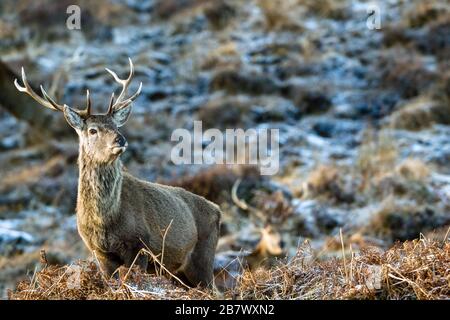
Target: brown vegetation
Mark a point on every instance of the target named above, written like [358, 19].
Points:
[232, 81]
[278, 14]
[219, 13]
[411, 270]
[326, 182]
[84, 280]
[403, 220]
[420, 113]
[423, 13]
[377, 155]
[232, 110]
[215, 183]
[405, 72]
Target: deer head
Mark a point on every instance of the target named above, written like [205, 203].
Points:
[100, 139]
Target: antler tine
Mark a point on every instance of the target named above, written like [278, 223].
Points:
[88, 103]
[51, 101]
[46, 101]
[111, 104]
[123, 104]
[125, 83]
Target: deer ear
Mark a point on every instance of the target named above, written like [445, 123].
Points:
[121, 116]
[73, 118]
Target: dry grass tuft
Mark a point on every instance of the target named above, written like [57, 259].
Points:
[377, 155]
[326, 182]
[413, 169]
[424, 28]
[405, 72]
[33, 173]
[279, 15]
[420, 113]
[412, 270]
[322, 179]
[166, 9]
[235, 81]
[416, 269]
[219, 13]
[382, 176]
[234, 111]
[409, 180]
[84, 281]
[225, 57]
[285, 14]
[425, 12]
[398, 219]
[436, 40]
[328, 9]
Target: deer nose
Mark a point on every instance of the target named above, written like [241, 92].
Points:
[120, 140]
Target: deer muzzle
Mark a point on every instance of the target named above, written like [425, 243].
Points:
[120, 144]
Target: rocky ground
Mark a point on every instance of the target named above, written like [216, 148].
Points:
[363, 117]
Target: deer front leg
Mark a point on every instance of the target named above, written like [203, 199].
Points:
[108, 263]
[142, 262]
[139, 259]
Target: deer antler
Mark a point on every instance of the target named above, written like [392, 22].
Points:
[47, 101]
[121, 102]
[88, 104]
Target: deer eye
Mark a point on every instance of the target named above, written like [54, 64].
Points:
[92, 131]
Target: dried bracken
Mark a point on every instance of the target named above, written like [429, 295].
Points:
[418, 269]
[404, 220]
[405, 72]
[84, 281]
[326, 181]
[420, 113]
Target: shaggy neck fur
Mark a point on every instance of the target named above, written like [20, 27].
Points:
[99, 189]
